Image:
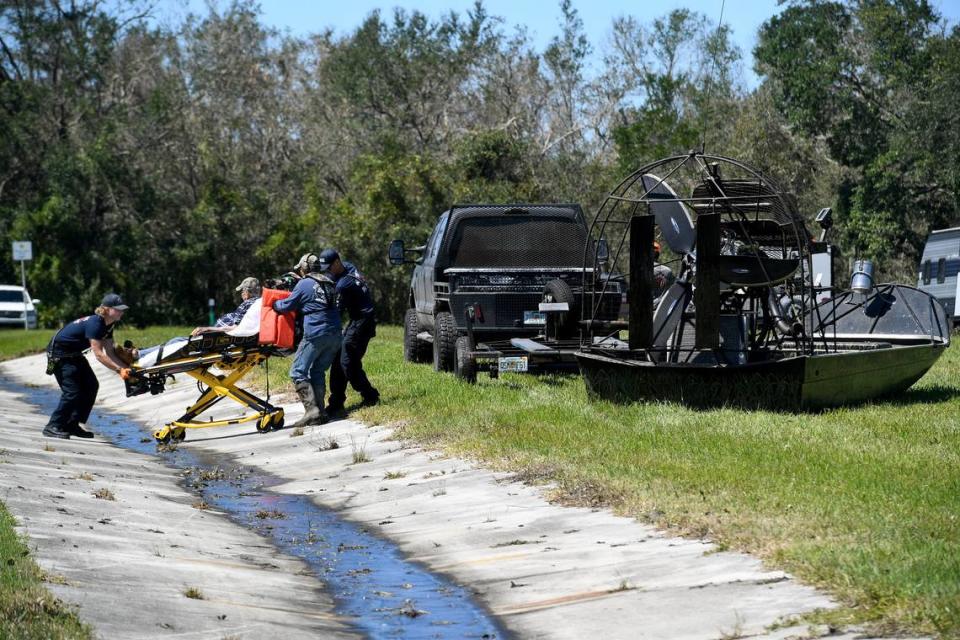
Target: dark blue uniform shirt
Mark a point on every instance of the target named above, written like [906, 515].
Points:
[354, 293]
[76, 336]
[317, 301]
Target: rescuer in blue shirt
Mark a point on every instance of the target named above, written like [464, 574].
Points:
[315, 298]
[78, 383]
[357, 302]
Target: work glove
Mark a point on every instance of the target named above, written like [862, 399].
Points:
[126, 373]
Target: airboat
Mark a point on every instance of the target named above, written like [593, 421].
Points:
[751, 318]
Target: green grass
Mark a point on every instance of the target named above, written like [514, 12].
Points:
[20, 342]
[27, 610]
[15, 343]
[864, 502]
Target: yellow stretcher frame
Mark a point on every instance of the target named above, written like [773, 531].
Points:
[236, 361]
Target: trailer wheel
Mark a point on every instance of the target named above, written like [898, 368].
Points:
[444, 341]
[557, 290]
[414, 349]
[465, 364]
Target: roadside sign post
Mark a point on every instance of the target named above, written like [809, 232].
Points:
[23, 251]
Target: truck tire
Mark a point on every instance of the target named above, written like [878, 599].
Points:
[444, 341]
[557, 290]
[464, 364]
[414, 349]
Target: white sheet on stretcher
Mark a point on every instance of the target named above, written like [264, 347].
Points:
[249, 325]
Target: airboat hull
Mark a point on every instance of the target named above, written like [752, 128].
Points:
[806, 382]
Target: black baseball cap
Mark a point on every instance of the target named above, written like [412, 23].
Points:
[327, 258]
[114, 301]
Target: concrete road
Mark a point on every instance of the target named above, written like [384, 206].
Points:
[545, 571]
[118, 536]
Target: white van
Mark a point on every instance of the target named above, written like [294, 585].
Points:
[14, 303]
[939, 267]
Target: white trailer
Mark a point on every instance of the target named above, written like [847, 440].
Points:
[939, 267]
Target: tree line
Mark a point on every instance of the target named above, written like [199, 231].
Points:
[168, 162]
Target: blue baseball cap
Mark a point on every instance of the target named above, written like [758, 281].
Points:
[114, 301]
[327, 258]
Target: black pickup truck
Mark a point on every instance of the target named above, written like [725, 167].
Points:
[495, 264]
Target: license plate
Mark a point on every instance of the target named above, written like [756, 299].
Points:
[537, 318]
[512, 363]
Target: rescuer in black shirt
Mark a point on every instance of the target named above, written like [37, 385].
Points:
[78, 383]
[356, 300]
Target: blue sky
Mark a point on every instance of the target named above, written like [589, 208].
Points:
[540, 18]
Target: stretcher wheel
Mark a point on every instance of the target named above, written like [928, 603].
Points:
[278, 421]
[162, 435]
[179, 434]
[265, 423]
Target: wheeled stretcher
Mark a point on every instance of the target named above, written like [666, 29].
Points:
[218, 361]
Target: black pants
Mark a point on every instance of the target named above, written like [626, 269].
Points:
[78, 392]
[348, 363]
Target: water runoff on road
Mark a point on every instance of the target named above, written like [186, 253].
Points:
[373, 585]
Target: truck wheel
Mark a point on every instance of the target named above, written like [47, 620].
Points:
[414, 349]
[464, 364]
[444, 341]
[559, 291]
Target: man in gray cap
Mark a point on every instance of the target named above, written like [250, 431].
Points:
[249, 293]
[78, 383]
[314, 298]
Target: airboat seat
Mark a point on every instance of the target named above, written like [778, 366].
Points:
[218, 360]
[755, 271]
[769, 235]
[747, 199]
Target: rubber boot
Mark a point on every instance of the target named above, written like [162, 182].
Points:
[324, 416]
[335, 409]
[311, 412]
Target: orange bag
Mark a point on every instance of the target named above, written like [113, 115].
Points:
[276, 328]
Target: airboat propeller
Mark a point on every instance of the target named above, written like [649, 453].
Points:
[672, 215]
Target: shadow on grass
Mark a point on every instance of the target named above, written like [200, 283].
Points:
[546, 378]
[934, 394]
[556, 378]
